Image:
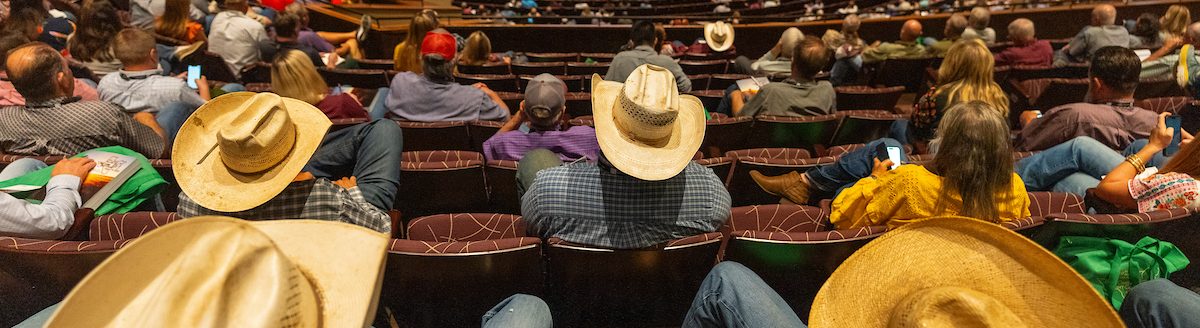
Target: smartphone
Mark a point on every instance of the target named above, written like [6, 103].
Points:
[193, 75]
[1173, 122]
[893, 153]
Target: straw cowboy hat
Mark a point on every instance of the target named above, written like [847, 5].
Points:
[226, 272]
[957, 272]
[645, 127]
[719, 36]
[242, 149]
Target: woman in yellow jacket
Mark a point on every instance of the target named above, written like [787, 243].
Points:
[972, 175]
[407, 55]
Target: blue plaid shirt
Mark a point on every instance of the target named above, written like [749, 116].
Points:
[588, 204]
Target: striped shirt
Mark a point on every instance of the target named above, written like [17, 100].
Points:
[316, 199]
[576, 142]
[66, 126]
[587, 204]
[146, 91]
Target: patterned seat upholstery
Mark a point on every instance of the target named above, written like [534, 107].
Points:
[1164, 104]
[662, 280]
[811, 132]
[466, 227]
[777, 218]
[720, 165]
[129, 225]
[745, 192]
[1042, 204]
[37, 273]
[435, 135]
[436, 284]
[725, 134]
[868, 98]
[441, 182]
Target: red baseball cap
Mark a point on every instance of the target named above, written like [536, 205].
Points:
[439, 43]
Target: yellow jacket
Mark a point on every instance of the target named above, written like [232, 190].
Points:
[908, 193]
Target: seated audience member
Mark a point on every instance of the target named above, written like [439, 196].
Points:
[1165, 62]
[278, 148]
[776, 61]
[408, 53]
[1102, 32]
[907, 47]
[348, 43]
[645, 189]
[287, 28]
[176, 22]
[1109, 117]
[56, 213]
[1145, 32]
[54, 123]
[92, 44]
[478, 51]
[625, 62]
[1174, 22]
[293, 76]
[965, 75]
[1025, 49]
[433, 96]
[847, 48]
[977, 26]
[1160, 303]
[955, 26]
[145, 14]
[237, 37]
[40, 21]
[717, 41]
[9, 95]
[140, 87]
[800, 95]
[543, 110]
[971, 175]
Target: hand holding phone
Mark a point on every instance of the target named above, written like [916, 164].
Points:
[1174, 122]
[193, 74]
[893, 153]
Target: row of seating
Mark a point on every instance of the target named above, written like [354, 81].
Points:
[450, 268]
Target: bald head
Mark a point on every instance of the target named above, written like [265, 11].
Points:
[1021, 30]
[1104, 14]
[787, 43]
[33, 67]
[911, 30]
[955, 26]
[1193, 32]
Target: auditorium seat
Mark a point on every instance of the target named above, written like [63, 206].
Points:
[868, 98]
[601, 57]
[128, 225]
[259, 72]
[1156, 88]
[496, 82]
[723, 81]
[358, 78]
[694, 67]
[1044, 94]
[742, 188]
[170, 192]
[725, 134]
[549, 57]
[590, 286]
[908, 73]
[1164, 104]
[579, 103]
[587, 69]
[435, 135]
[441, 182]
[574, 83]
[863, 126]
[502, 186]
[465, 227]
[535, 68]
[720, 165]
[512, 100]
[486, 69]
[811, 132]
[481, 131]
[383, 64]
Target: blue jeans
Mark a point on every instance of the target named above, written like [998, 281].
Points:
[845, 70]
[1076, 165]
[519, 310]
[531, 163]
[726, 105]
[370, 152]
[1160, 303]
[171, 118]
[378, 108]
[21, 167]
[733, 296]
[39, 319]
[827, 181]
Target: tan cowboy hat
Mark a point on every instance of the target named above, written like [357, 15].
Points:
[645, 127]
[957, 272]
[242, 149]
[719, 36]
[226, 272]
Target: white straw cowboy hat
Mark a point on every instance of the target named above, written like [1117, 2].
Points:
[242, 149]
[226, 272]
[957, 272]
[719, 36]
[645, 127]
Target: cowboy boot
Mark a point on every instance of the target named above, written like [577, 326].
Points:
[792, 186]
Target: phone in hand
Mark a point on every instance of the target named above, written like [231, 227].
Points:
[893, 153]
[1173, 121]
[193, 74]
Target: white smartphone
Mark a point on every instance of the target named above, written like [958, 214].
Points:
[894, 154]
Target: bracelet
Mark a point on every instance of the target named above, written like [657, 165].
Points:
[1137, 163]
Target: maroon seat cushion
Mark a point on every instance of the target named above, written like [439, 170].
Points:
[129, 225]
[777, 218]
[466, 227]
[459, 247]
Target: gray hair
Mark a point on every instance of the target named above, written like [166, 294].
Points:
[979, 18]
[1021, 29]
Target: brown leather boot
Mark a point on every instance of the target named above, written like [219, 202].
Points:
[792, 186]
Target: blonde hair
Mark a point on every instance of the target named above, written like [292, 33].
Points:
[477, 49]
[1187, 161]
[294, 76]
[408, 53]
[966, 75]
[1176, 20]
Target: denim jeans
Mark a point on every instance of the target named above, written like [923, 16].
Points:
[845, 70]
[531, 163]
[378, 108]
[733, 296]
[370, 152]
[519, 310]
[726, 105]
[167, 61]
[1075, 166]
[21, 167]
[1160, 303]
[826, 181]
[38, 320]
[171, 118]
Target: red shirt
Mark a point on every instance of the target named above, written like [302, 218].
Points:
[1036, 53]
[341, 106]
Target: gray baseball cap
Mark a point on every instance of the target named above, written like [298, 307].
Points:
[545, 99]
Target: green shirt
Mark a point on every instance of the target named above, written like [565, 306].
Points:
[893, 50]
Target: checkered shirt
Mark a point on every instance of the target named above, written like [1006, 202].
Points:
[67, 126]
[317, 199]
[587, 204]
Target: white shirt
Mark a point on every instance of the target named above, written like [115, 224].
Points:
[48, 220]
[237, 38]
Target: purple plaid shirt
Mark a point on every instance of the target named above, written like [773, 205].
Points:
[574, 143]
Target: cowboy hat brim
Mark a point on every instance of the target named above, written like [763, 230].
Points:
[637, 159]
[207, 181]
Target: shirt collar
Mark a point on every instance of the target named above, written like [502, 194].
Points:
[53, 102]
[644, 48]
[139, 75]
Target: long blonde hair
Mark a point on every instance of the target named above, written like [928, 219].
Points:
[408, 53]
[174, 21]
[966, 75]
[1176, 20]
[477, 49]
[1187, 161]
[974, 159]
[294, 76]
